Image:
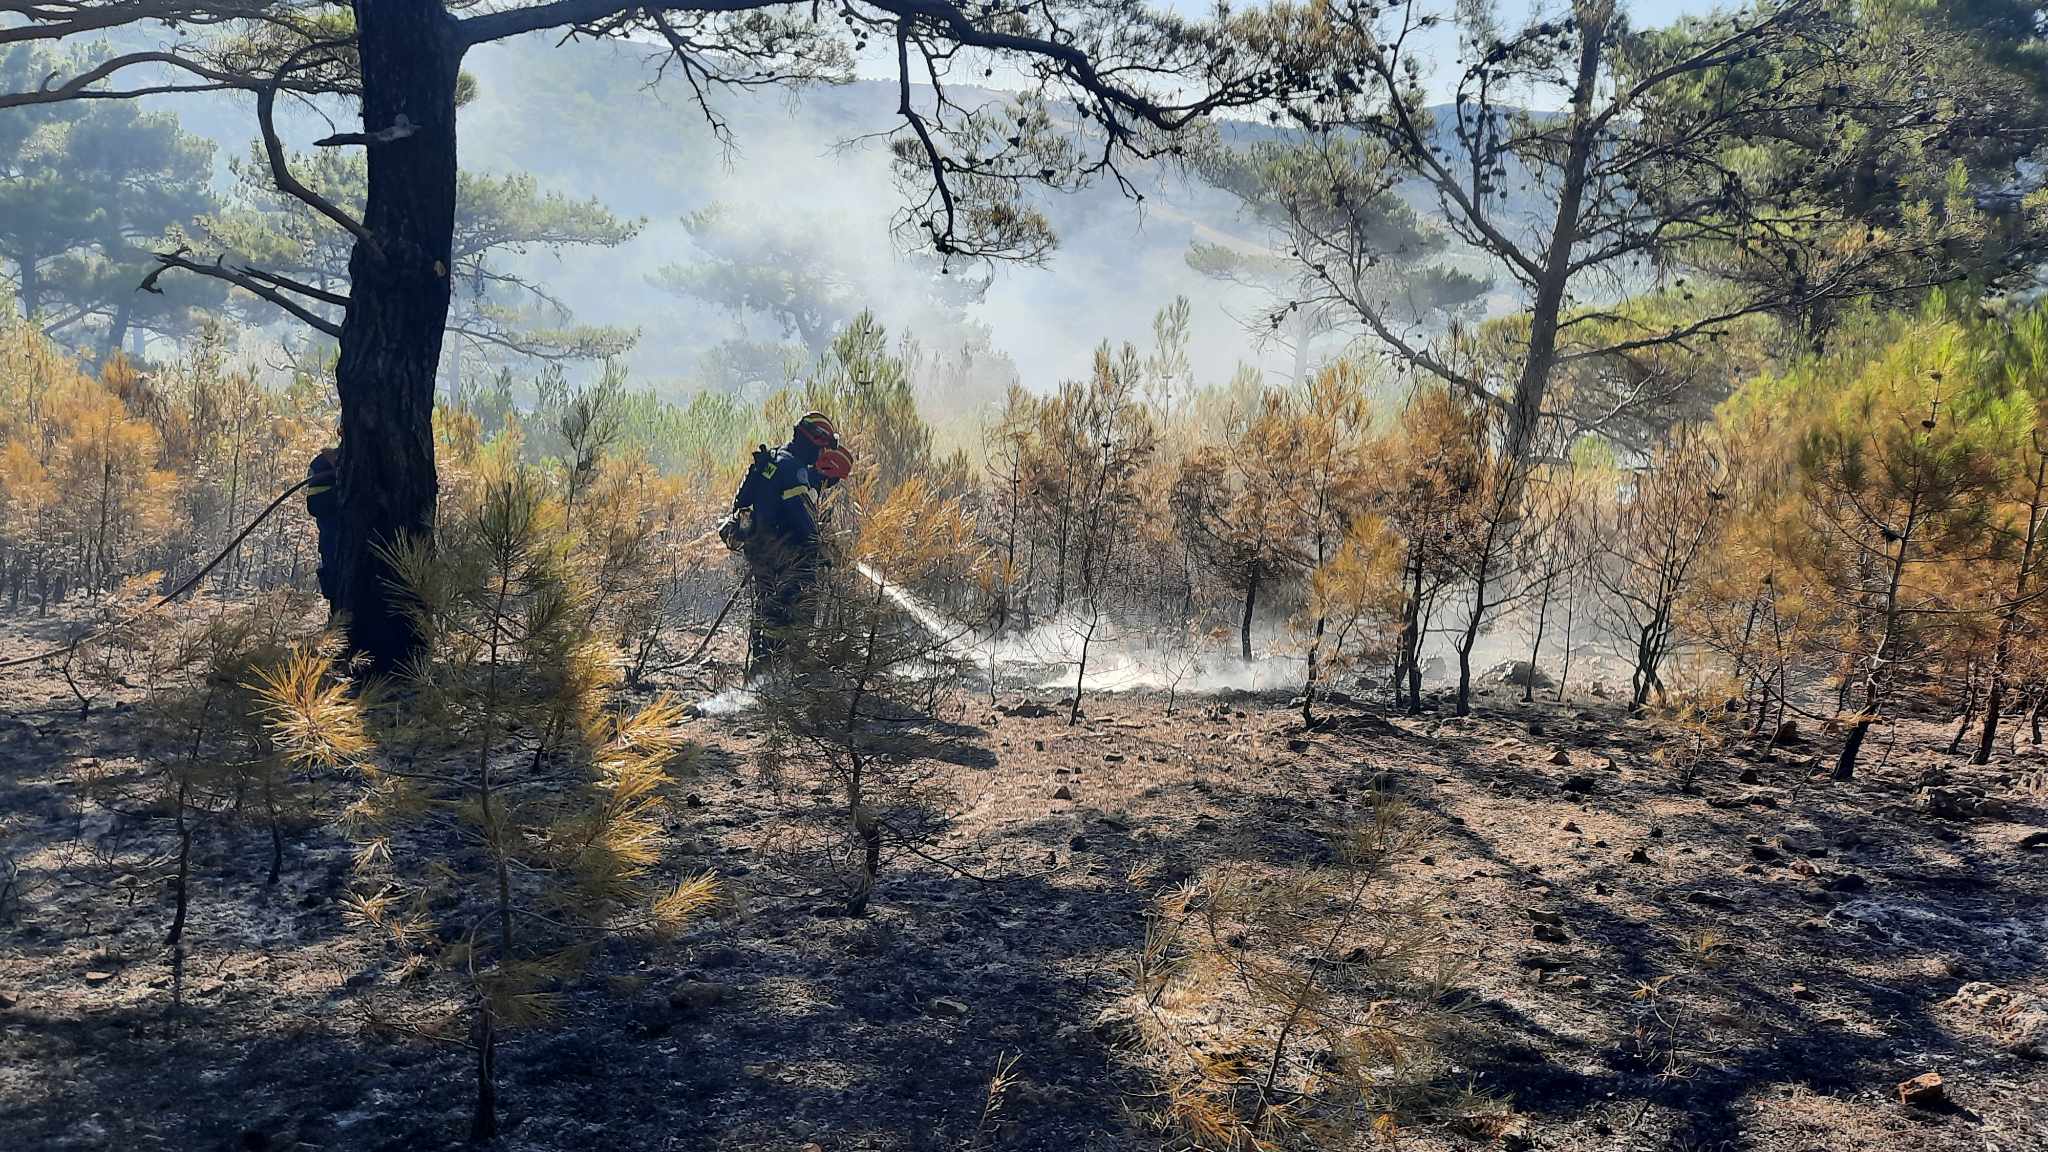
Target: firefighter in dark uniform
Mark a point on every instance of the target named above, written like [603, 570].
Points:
[323, 504]
[774, 523]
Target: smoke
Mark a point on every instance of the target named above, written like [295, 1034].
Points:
[1051, 654]
[816, 162]
[736, 699]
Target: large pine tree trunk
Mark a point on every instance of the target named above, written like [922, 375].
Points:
[29, 288]
[398, 310]
[1546, 311]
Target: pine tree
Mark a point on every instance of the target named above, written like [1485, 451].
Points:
[501, 739]
[1900, 474]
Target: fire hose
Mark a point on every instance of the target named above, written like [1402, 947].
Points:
[190, 583]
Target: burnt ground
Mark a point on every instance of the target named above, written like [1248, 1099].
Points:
[1805, 939]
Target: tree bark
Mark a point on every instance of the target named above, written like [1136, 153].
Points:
[1536, 644]
[2002, 654]
[398, 310]
[1244, 628]
[117, 330]
[1546, 309]
[1411, 644]
[30, 287]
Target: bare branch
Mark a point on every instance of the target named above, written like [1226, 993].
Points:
[247, 281]
[281, 172]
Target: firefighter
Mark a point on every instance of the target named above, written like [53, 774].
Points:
[323, 503]
[774, 523]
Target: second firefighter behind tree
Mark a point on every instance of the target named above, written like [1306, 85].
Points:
[774, 524]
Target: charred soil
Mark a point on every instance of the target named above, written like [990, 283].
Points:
[1759, 962]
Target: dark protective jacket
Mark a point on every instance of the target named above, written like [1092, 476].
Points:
[782, 489]
[322, 502]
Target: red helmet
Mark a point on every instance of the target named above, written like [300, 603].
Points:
[816, 428]
[834, 464]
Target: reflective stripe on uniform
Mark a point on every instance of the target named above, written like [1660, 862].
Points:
[796, 491]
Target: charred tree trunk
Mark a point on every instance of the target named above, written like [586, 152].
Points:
[2002, 654]
[1411, 644]
[1878, 678]
[398, 310]
[1251, 598]
[1969, 716]
[483, 1119]
[1536, 643]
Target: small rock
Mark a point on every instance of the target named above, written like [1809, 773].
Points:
[1578, 784]
[1078, 843]
[1763, 853]
[1549, 934]
[1561, 758]
[1846, 882]
[8, 1000]
[1063, 793]
[698, 995]
[1923, 1091]
[1517, 673]
[1802, 992]
[1959, 802]
[1569, 826]
[2033, 841]
[1540, 916]
[1640, 855]
[1113, 758]
[1750, 776]
[1575, 982]
[97, 977]
[2018, 1020]
[947, 1007]
[693, 800]
[1787, 733]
